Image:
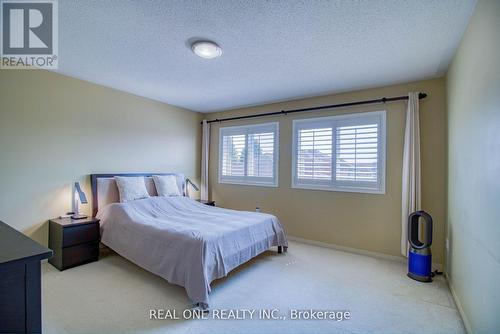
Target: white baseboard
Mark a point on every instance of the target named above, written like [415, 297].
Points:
[465, 320]
[378, 255]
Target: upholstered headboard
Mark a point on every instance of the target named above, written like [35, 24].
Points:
[105, 191]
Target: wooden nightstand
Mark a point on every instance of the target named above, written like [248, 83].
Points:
[74, 242]
[211, 203]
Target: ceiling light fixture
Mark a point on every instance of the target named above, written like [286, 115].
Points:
[206, 49]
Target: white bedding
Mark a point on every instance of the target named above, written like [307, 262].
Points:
[186, 242]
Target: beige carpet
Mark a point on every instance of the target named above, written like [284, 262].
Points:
[115, 296]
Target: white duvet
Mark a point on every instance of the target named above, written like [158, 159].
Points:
[186, 242]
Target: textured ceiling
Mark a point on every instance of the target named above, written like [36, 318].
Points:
[273, 50]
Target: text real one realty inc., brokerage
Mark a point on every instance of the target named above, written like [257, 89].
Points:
[243, 314]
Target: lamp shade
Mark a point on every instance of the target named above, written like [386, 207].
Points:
[81, 194]
[188, 181]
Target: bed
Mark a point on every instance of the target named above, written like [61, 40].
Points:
[179, 239]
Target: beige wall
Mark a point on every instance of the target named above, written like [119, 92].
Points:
[55, 130]
[365, 221]
[473, 84]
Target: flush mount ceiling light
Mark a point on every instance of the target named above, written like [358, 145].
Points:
[206, 49]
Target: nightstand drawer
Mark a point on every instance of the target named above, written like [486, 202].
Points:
[80, 234]
[75, 255]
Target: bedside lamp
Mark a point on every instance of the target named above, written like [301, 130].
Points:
[78, 197]
[189, 182]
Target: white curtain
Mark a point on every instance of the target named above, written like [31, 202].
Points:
[411, 168]
[205, 147]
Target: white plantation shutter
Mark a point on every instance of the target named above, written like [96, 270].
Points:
[233, 158]
[340, 153]
[314, 154]
[260, 158]
[356, 153]
[249, 154]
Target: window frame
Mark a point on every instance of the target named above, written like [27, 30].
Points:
[333, 122]
[250, 180]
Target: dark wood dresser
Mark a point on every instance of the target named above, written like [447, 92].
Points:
[74, 242]
[20, 282]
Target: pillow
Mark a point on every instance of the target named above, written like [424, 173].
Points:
[166, 185]
[131, 188]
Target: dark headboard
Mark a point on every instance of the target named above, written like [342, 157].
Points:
[95, 177]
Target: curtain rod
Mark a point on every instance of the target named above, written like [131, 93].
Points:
[291, 111]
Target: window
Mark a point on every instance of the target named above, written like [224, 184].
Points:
[340, 153]
[249, 154]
